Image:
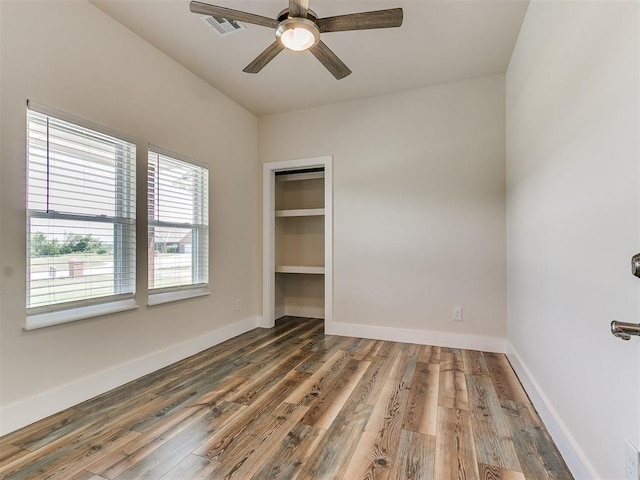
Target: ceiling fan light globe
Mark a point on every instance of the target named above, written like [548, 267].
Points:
[297, 34]
[297, 39]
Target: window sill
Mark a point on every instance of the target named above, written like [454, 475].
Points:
[42, 320]
[168, 297]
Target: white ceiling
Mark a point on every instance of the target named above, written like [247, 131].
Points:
[440, 41]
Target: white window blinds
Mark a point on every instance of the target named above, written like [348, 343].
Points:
[80, 213]
[177, 202]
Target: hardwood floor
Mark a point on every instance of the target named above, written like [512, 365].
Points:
[292, 403]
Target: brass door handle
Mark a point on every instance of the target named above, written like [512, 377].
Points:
[624, 330]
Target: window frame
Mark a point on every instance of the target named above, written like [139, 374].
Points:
[200, 231]
[125, 271]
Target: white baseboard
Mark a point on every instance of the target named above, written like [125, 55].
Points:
[306, 312]
[574, 457]
[37, 407]
[422, 337]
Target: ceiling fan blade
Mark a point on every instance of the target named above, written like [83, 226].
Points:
[230, 14]
[265, 57]
[298, 8]
[330, 60]
[362, 21]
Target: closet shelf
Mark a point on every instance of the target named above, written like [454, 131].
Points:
[293, 177]
[299, 269]
[301, 212]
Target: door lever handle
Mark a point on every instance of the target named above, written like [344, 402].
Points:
[624, 330]
[635, 265]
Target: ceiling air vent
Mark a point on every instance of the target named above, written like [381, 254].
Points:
[223, 26]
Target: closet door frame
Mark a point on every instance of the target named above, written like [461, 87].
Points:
[268, 235]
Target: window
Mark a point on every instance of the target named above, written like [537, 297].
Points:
[177, 202]
[80, 214]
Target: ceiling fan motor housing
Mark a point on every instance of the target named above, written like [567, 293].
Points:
[284, 14]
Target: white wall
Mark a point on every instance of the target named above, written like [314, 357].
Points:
[71, 56]
[573, 222]
[419, 223]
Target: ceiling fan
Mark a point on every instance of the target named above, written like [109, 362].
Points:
[298, 28]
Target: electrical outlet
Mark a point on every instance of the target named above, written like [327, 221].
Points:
[238, 304]
[631, 461]
[456, 314]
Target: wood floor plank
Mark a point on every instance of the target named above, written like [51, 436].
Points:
[374, 351]
[491, 472]
[293, 452]
[451, 359]
[10, 453]
[236, 363]
[320, 348]
[67, 449]
[292, 403]
[474, 363]
[137, 450]
[504, 379]
[199, 396]
[390, 349]
[97, 445]
[269, 376]
[37, 432]
[342, 343]
[455, 451]
[272, 357]
[376, 451]
[241, 460]
[228, 379]
[370, 385]
[334, 451]
[325, 408]
[452, 388]
[171, 452]
[218, 442]
[63, 461]
[484, 401]
[421, 413]
[491, 433]
[416, 457]
[94, 453]
[539, 458]
[317, 383]
[86, 476]
[192, 467]
[366, 348]
[429, 354]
